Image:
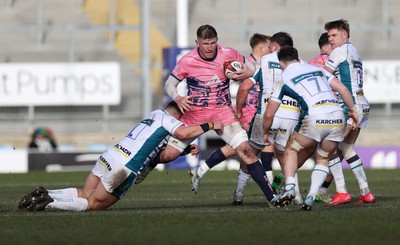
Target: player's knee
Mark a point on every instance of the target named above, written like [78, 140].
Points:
[238, 139]
[347, 150]
[295, 145]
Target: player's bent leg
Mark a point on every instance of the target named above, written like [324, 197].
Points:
[101, 198]
[89, 186]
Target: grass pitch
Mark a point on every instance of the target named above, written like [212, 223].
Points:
[162, 210]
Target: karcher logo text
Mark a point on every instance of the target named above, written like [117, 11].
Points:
[123, 149]
[337, 121]
[326, 102]
[103, 160]
[290, 103]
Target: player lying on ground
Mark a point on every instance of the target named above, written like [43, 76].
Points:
[116, 169]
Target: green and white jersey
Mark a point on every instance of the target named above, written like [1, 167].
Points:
[269, 76]
[309, 86]
[144, 141]
[347, 64]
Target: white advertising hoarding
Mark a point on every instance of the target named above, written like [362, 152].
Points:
[54, 84]
[382, 81]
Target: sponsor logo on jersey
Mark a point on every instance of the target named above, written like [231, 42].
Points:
[307, 75]
[357, 64]
[278, 131]
[122, 150]
[147, 121]
[105, 162]
[274, 65]
[290, 103]
[326, 102]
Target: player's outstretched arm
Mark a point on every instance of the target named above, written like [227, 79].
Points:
[191, 132]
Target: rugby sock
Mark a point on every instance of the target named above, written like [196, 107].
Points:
[318, 176]
[70, 204]
[290, 182]
[266, 160]
[242, 180]
[257, 172]
[358, 170]
[63, 193]
[202, 170]
[296, 187]
[335, 166]
[215, 158]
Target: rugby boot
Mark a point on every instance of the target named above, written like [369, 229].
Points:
[368, 198]
[339, 198]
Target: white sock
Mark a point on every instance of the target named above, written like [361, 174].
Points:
[290, 182]
[63, 193]
[359, 172]
[202, 170]
[335, 167]
[242, 180]
[70, 204]
[297, 188]
[270, 176]
[318, 177]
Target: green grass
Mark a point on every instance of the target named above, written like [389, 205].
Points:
[162, 210]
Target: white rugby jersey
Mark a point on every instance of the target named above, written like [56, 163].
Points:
[308, 85]
[145, 140]
[347, 64]
[269, 75]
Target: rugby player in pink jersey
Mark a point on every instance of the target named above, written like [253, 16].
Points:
[209, 98]
[259, 44]
[324, 48]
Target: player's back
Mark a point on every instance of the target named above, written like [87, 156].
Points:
[144, 140]
[308, 85]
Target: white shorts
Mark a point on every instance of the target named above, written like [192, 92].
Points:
[233, 134]
[329, 126]
[115, 177]
[281, 130]
[256, 132]
[363, 114]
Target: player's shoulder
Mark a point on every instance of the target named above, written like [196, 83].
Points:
[270, 56]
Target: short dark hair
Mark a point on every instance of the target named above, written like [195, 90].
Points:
[173, 104]
[323, 40]
[341, 24]
[287, 54]
[206, 32]
[283, 39]
[258, 38]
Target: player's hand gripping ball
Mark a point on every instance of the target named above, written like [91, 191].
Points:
[230, 66]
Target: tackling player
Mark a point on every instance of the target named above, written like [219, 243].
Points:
[116, 169]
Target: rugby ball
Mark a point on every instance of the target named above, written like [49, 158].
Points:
[230, 66]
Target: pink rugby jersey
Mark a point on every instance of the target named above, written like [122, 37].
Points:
[252, 98]
[319, 60]
[207, 83]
